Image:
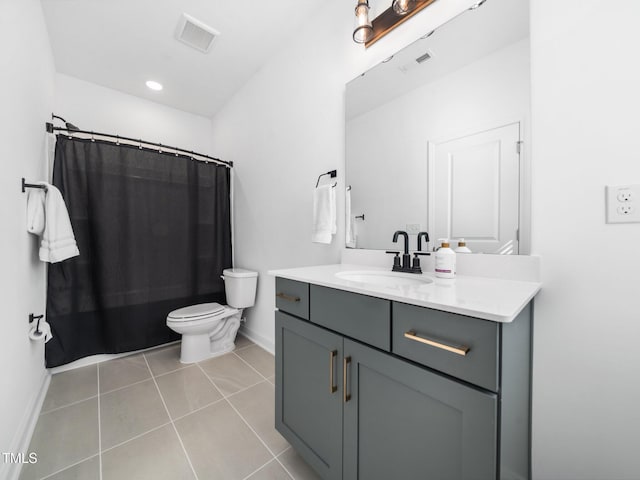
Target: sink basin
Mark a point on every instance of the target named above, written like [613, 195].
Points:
[385, 279]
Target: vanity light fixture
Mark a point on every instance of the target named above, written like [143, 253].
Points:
[363, 30]
[370, 31]
[153, 85]
[402, 7]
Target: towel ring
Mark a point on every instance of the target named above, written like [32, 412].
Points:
[331, 173]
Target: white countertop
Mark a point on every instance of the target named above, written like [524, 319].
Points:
[493, 299]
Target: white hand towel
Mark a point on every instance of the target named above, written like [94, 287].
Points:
[58, 242]
[324, 214]
[35, 210]
[350, 224]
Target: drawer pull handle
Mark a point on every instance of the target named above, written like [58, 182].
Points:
[332, 356]
[459, 349]
[346, 363]
[288, 298]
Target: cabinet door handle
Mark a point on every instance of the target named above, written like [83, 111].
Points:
[458, 349]
[332, 356]
[288, 298]
[345, 364]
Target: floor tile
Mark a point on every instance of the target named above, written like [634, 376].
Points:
[87, 470]
[156, 455]
[71, 386]
[63, 437]
[257, 407]
[130, 411]
[186, 390]
[271, 471]
[229, 373]
[220, 444]
[259, 359]
[242, 342]
[165, 360]
[297, 466]
[121, 372]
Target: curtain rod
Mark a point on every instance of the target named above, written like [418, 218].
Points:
[50, 128]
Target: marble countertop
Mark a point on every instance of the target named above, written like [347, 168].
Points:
[492, 299]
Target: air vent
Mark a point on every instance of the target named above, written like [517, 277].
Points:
[423, 58]
[196, 34]
[417, 62]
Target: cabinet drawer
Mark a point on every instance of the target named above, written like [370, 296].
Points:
[292, 297]
[438, 339]
[363, 318]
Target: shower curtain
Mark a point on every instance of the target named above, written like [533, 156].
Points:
[154, 233]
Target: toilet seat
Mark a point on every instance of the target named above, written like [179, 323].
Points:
[196, 312]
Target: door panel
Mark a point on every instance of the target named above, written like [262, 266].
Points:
[475, 184]
[404, 421]
[308, 409]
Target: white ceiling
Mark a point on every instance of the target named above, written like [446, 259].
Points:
[121, 44]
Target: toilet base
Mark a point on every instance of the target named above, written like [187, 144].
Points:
[201, 346]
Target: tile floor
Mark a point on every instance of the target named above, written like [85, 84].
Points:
[147, 416]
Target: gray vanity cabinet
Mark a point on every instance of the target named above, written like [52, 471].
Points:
[376, 390]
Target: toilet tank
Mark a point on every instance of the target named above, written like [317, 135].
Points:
[240, 287]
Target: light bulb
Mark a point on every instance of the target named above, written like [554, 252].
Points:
[363, 30]
[402, 7]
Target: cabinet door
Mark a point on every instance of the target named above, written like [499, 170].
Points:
[404, 421]
[308, 392]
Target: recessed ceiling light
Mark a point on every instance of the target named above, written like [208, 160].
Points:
[153, 85]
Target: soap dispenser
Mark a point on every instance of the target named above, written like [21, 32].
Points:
[462, 246]
[445, 261]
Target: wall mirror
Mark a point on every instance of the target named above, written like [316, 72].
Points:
[437, 136]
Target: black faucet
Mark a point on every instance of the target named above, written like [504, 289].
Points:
[406, 258]
[426, 238]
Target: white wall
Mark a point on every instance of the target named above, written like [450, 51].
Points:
[26, 98]
[586, 389]
[490, 92]
[101, 109]
[286, 126]
[283, 129]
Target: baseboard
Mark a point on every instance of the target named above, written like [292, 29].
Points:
[22, 438]
[258, 339]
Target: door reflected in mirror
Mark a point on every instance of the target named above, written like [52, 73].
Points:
[437, 136]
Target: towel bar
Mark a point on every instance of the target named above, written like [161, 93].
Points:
[31, 185]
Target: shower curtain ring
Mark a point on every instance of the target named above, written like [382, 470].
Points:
[160, 149]
[117, 139]
[140, 144]
[93, 139]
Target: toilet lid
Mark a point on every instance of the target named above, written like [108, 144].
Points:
[196, 311]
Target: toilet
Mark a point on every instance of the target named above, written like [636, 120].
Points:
[209, 329]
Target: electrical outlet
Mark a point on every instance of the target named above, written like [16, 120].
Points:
[623, 203]
[625, 210]
[413, 228]
[625, 195]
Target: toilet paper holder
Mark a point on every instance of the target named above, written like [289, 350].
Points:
[33, 318]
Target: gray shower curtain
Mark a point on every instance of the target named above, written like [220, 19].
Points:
[154, 233]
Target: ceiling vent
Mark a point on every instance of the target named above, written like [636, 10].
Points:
[423, 58]
[196, 34]
[415, 63]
